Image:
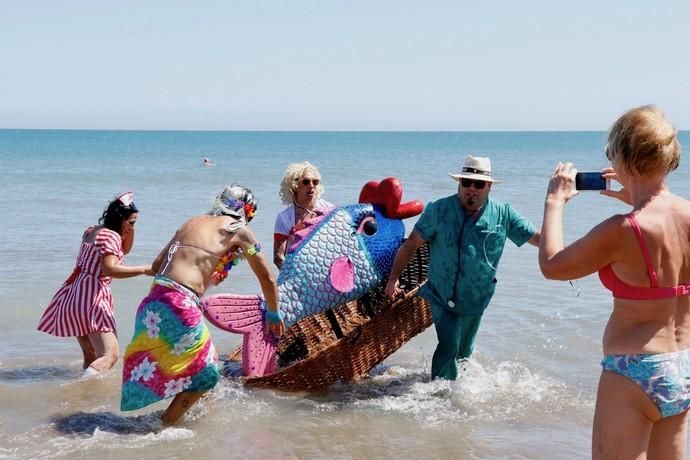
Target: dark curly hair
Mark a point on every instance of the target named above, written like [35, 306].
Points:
[116, 213]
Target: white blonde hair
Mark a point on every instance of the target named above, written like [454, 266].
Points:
[290, 182]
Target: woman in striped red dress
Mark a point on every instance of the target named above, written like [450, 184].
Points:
[83, 306]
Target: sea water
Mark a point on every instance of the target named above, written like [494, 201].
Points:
[528, 392]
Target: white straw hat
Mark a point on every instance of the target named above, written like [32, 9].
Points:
[477, 168]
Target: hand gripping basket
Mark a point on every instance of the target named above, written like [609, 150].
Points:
[345, 343]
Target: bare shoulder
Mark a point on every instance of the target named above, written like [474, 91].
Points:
[197, 220]
[680, 208]
[669, 214]
[679, 216]
[611, 227]
[608, 239]
[194, 225]
[244, 236]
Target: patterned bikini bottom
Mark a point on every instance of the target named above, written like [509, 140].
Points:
[664, 377]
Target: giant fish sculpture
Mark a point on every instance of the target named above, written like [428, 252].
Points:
[339, 256]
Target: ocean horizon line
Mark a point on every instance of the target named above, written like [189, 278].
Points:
[303, 131]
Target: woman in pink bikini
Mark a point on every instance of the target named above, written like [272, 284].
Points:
[83, 306]
[643, 258]
[171, 354]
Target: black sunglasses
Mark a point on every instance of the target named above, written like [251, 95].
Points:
[307, 181]
[478, 184]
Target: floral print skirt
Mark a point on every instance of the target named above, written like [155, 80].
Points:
[171, 350]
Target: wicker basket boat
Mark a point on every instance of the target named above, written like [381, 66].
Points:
[345, 343]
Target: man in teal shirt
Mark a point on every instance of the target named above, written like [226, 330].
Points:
[466, 232]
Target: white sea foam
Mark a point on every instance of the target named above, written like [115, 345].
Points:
[506, 391]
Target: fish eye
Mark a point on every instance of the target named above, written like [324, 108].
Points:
[368, 226]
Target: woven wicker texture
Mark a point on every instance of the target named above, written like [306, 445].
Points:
[344, 344]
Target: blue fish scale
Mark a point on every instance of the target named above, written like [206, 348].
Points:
[303, 282]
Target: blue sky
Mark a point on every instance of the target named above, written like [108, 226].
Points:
[340, 65]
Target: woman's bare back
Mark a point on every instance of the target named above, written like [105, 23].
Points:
[192, 254]
[662, 325]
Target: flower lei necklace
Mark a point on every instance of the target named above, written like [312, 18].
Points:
[229, 260]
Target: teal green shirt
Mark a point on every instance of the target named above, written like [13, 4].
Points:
[465, 251]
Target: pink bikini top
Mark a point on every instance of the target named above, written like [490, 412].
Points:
[623, 290]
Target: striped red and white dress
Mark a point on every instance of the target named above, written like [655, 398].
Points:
[84, 303]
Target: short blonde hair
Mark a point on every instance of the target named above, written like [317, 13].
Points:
[290, 182]
[644, 142]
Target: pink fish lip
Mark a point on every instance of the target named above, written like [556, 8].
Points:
[341, 275]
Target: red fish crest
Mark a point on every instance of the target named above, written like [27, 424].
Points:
[388, 194]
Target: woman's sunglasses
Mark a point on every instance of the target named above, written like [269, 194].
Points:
[478, 184]
[307, 181]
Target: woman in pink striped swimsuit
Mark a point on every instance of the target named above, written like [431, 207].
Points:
[83, 306]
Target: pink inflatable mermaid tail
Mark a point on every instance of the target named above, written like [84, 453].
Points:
[244, 314]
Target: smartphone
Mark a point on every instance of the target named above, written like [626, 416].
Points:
[593, 180]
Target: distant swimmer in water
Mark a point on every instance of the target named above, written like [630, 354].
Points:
[207, 163]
